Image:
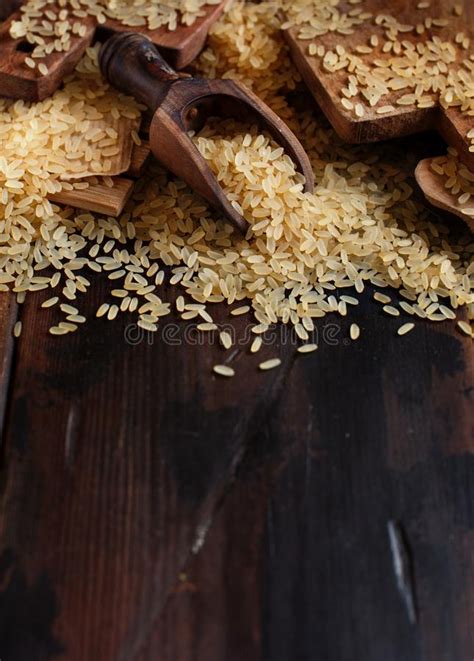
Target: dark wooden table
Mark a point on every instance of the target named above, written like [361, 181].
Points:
[151, 511]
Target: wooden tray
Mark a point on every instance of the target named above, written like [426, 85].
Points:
[403, 120]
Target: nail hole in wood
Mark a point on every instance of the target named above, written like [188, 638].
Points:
[25, 46]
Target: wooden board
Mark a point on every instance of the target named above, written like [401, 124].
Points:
[19, 81]
[104, 494]
[104, 199]
[403, 120]
[432, 185]
[122, 161]
[98, 197]
[118, 458]
[181, 46]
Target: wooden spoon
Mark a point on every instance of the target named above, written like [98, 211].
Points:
[181, 103]
[437, 194]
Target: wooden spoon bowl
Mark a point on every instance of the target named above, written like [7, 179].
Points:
[438, 195]
[180, 103]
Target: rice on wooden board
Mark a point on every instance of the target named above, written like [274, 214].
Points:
[362, 224]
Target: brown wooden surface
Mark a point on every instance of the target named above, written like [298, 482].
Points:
[118, 454]
[19, 81]
[150, 511]
[403, 120]
[114, 519]
[98, 197]
[104, 199]
[436, 193]
[181, 46]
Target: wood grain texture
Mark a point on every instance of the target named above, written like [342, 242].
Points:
[396, 444]
[432, 185]
[104, 494]
[98, 197]
[403, 120]
[298, 564]
[216, 603]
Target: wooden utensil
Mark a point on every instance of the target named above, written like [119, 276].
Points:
[403, 119]
[18, 81]
[133, 64]
[437, 194]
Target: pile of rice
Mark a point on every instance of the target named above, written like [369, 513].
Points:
[363, 223]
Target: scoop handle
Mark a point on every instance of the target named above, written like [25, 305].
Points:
[133, 64]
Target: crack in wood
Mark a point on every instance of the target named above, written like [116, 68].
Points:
[403, 568]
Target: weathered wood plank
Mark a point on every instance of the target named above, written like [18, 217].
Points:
[8, 317]
[401, 120]
[117, 453]
[215, 609]
[364, 433]
[382, 431]
[98, 197]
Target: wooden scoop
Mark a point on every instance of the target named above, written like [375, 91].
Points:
[181, 103]
[438, 195]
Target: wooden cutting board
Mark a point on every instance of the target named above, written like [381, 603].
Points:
[17, 80]
[403, 119]
[181, 46]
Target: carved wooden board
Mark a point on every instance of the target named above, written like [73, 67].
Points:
[403, 119]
